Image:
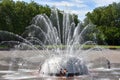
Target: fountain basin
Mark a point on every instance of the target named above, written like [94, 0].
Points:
[74, 66]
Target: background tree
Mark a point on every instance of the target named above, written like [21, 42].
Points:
[107, 20]
[16, 16]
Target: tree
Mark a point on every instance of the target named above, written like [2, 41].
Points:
[16, 16]
[107, 20]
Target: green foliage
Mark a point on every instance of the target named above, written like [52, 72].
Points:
[107, 20]
[15, 16]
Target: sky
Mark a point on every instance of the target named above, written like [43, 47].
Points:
[79, 7]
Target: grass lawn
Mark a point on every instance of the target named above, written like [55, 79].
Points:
[64, 46]
[85, 46]
[110, 47]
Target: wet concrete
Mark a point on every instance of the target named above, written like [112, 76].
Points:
[94, 73]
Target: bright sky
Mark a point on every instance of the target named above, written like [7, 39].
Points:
[79, 7]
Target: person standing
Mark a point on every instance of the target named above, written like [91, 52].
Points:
[108, 63]
[65, 72]
[61, 72]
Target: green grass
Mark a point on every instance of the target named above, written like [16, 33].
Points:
[4, 47]
[64, 46]
[110, 47]
[102, 46]
[84, 46]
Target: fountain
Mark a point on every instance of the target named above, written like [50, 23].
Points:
[66, 42]
[50, 44]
